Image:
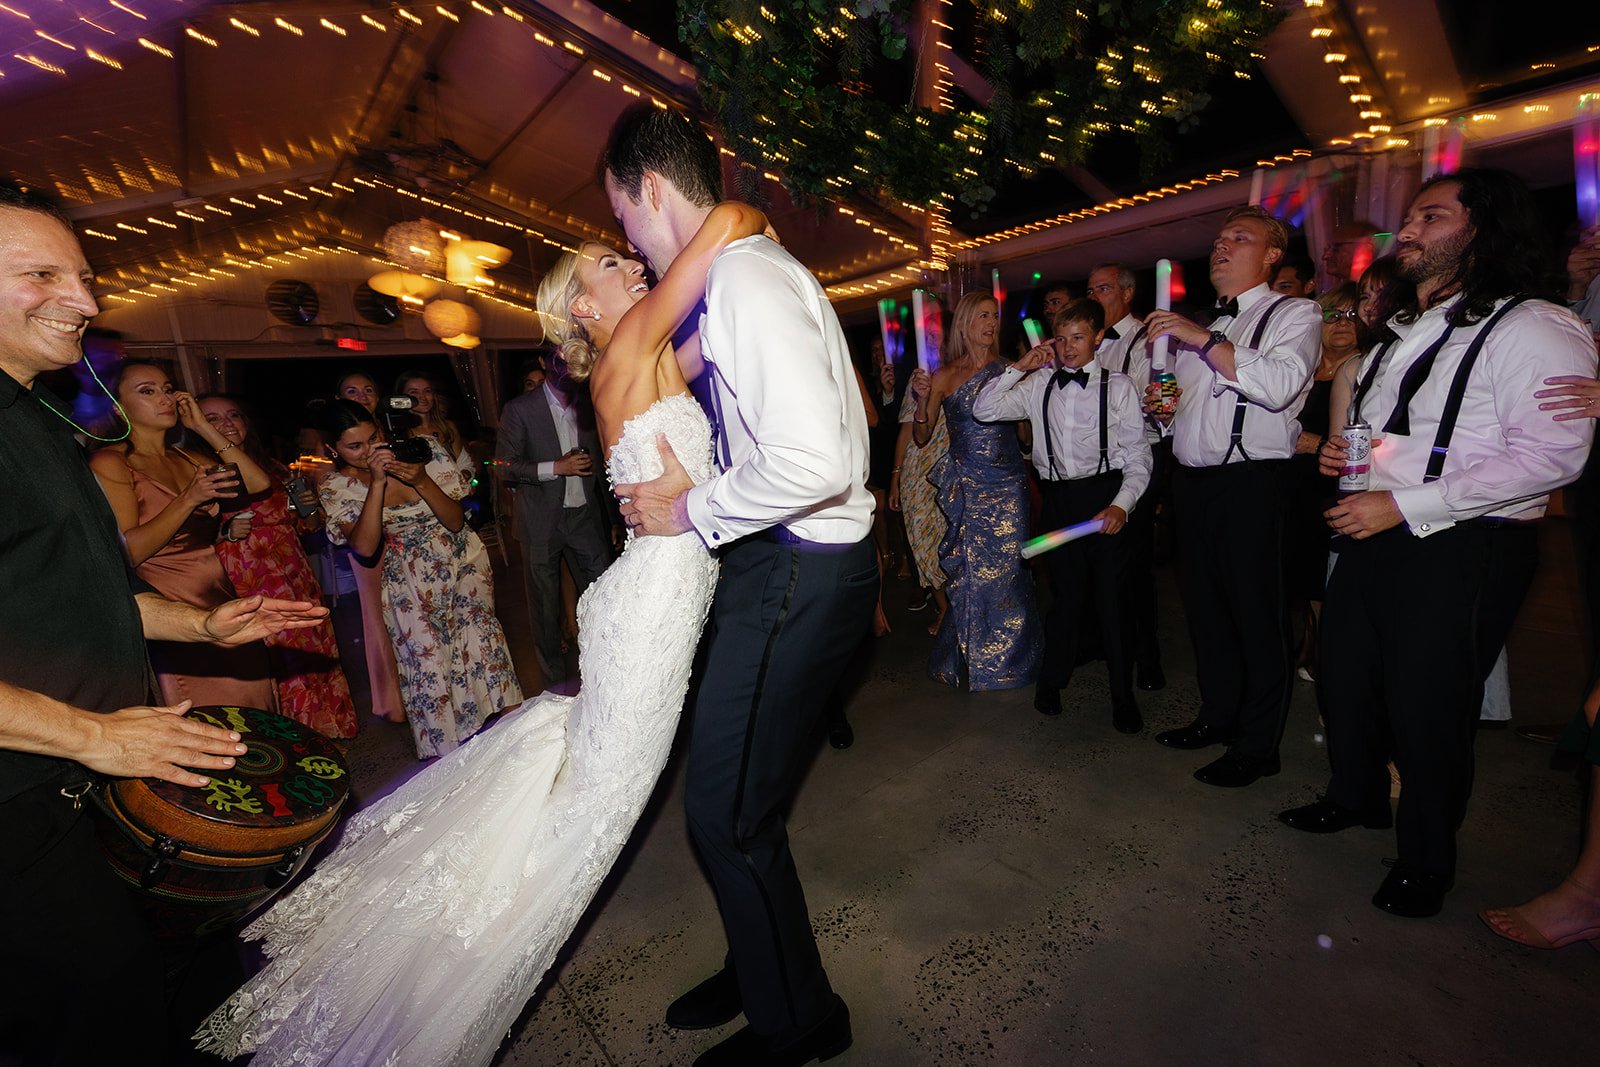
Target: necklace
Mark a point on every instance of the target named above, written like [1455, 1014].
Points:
[126, 425]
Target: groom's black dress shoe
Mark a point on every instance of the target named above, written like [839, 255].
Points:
[1411, 895]
[840, 735]
[1195, 735]
[711, 1003]
[1233, 770]
[1047, 699]
[1326, 817]
[746, 1048]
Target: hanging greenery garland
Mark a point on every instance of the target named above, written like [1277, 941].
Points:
[823, 91]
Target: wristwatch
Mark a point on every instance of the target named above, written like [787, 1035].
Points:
[1217, 337]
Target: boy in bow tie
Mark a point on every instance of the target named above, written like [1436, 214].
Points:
[1093, 462]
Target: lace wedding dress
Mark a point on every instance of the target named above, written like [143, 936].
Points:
[421, 937]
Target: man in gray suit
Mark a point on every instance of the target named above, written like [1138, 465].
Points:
[549, 443]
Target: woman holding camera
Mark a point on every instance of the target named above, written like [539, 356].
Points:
[167, 501]
[261, 553]
[438, 593]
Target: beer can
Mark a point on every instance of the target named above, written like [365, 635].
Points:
[1356, 477]
[1169, 392]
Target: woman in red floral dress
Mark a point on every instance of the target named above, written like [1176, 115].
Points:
[261, 553]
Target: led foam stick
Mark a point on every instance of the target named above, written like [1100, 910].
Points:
[1586, 161]
[885, 315]
[996, 288]
[930, 329]
[1056, 538]
[1158, 353]
[1035, 332]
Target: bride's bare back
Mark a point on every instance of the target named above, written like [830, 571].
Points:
[638, 366]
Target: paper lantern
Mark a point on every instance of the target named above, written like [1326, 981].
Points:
[415, 245]
[466, 262]
[462, 340]
[412, 288]
[450, 318]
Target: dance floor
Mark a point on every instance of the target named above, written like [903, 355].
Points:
[992, 886]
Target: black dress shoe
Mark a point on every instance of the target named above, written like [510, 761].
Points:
[1195, 735]
[1048, 700]
[1326, 817]
[840, 735]
[1125, 716]
[1411, 895]
[1151, 678]
[711, 1003]
[1232, 770]
[746, 1048]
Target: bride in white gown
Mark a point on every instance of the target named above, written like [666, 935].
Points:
[420, 938]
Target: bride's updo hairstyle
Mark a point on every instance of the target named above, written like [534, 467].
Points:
[559, 288]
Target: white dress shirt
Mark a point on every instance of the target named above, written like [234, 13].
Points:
[1274, 378]
[565, 416]
[1506, 455]
[1115, 352]
[1074, 430]
[785, 391]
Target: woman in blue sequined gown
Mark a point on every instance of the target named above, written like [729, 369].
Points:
[991, 638]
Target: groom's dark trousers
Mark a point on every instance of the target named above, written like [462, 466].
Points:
[786, 618]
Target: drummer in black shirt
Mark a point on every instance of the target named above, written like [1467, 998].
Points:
[84, 984]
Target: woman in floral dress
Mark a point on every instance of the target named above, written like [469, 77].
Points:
[260, 550]
[438, 593]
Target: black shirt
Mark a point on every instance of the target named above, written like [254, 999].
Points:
[69, 626]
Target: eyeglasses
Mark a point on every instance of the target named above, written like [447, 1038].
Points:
[1333, 315]
[1104, 289]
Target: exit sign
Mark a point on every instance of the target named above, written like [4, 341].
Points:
[351, 344]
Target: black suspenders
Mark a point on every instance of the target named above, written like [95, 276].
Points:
[1104, 466]
[1458, 392]
[1236, 437]
[1127, 355]
[1105, 441]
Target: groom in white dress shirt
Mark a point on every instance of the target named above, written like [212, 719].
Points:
[789, 515]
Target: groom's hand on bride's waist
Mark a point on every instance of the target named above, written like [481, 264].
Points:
[658, 507]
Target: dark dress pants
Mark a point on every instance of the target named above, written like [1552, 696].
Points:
[1410, 630]
[1230, 545]
[578, 536]
[80, 978]
[1141, 535]
[1091, 573]
[785, 621]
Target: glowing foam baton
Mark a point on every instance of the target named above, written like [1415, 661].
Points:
[1056, 538]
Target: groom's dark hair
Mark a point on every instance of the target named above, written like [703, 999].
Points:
[649, 138]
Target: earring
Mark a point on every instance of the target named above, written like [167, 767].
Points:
[597, 316]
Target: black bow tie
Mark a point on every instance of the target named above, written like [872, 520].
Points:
[1111, 334]
[1229, 306]
[1061, 377]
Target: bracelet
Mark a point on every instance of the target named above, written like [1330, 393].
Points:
[223, 449]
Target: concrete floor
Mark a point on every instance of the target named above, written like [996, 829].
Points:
[992, 886]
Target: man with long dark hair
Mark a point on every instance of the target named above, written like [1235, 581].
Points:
[1440, 551]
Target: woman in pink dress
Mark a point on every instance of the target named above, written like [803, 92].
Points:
[260, 550]
[166, 503]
